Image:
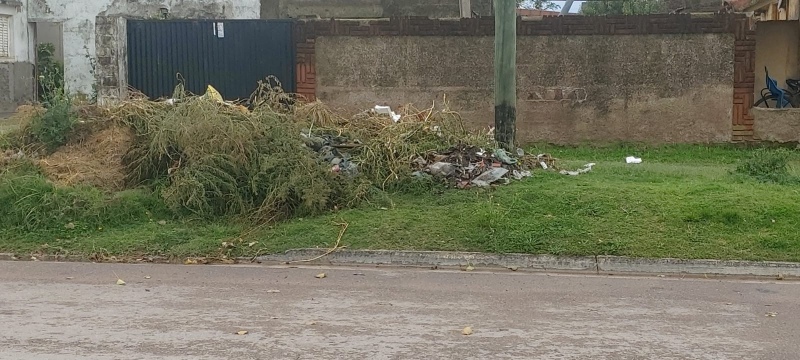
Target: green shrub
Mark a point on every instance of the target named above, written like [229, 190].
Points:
[768, 165]
[53, 127]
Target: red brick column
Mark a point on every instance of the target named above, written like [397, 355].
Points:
[743, 79]
[305, 71]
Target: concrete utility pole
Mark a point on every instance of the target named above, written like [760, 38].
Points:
[566, 7]
[505, 72]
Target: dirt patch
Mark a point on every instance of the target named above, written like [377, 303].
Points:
[95, 161]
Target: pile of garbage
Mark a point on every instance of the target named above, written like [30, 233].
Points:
[332, 150]
[456, 160]
[274, 158]
[466, 166]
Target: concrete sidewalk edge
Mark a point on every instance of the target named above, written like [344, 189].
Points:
[594, 264]
[597, 264]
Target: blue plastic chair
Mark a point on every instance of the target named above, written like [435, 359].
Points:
[779, 94]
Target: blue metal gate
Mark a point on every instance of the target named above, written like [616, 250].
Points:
[230, 55]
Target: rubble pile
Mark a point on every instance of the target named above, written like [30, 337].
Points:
[465, 166]
[332, 150]
[424, 144]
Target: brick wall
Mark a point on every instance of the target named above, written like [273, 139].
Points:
[306, 34]
[743, 79]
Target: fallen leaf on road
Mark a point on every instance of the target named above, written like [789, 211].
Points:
[728, 303]
[70, 277]
[467, 331]
[120, 282]
[771, 314]
[273, 291]
[311, 323]
[147, 277]
[321, 276]
[241, 332]
[470, 268]
[195, 261]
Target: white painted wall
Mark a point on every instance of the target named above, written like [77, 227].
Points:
[78, 23]
[21, 34]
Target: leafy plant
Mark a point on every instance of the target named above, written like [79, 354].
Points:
[50, 74]
[623, 7]
[537, 4]
[52, 128]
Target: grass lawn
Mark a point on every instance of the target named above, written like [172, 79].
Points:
[681, 202]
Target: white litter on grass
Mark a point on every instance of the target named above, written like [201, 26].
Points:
[388, 111]
[519, 175]
[586, 168]
[633, 160]
[542, 163]
[489, 176]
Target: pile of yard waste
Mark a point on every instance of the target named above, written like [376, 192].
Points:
[275, 159]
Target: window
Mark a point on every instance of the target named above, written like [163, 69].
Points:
[5, 36]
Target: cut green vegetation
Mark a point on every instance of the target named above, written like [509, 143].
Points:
[211, 180]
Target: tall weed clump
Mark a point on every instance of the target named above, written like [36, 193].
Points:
[53, 127]
[215, 159]
[769, 166]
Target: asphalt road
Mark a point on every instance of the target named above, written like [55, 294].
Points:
[76, 311]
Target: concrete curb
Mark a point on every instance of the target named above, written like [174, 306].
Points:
[596, 264]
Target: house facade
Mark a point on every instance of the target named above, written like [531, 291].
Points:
[79, 33]
[77, 28]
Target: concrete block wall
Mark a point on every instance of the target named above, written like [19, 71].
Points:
[16, 70]
[16, 85]
[111, 73]
[355, 9]
[656, 79]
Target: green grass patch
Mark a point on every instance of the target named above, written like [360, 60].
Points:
[683, 202]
